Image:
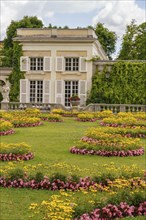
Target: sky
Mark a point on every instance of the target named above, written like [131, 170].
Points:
[114, 14]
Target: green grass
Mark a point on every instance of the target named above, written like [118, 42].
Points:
[50, 143]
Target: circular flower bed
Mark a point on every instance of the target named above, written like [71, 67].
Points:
[75, 150]
[123, 122]
[136, 132]
[86, 117]
[15, 157]
[51, 117]
[98, 142]
[10, 152]
[26, 122]
[6, 128]
[103, 114]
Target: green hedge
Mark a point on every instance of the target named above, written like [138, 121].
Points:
[125, 85]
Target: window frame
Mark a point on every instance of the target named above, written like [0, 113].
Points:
[36, 91]
[37, 64]
[72, 65]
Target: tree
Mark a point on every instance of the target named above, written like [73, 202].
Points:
[12, 51]
[106, 38]
[134, 41]
[140, 42]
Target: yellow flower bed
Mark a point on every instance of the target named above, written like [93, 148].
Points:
[19, 148]
[103, 114]
[5, 125]
[58, 207]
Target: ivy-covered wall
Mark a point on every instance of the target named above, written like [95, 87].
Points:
[126, 84]
[16, 74]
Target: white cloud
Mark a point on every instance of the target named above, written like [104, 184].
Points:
[117, 14]
[114, 14]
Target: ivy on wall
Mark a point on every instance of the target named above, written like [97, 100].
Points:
[16, 75]
[125, 84]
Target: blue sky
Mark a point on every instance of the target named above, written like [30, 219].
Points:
[115, 14]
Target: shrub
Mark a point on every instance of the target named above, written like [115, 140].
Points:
[39, 176]
[58, 176]
[16, 174]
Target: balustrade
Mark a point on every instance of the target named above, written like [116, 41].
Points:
[115, 108]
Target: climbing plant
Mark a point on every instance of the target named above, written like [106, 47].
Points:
[12, 51]
[125, 84]
[16, 74]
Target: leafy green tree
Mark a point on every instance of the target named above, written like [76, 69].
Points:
[13, 51]
[140, 42]
[106, 38]
[134, 42]
[127, 51]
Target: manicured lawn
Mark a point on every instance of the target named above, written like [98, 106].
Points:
[50, 143]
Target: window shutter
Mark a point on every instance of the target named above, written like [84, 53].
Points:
[82, 91]
[47, 63]
[59, 92]
[24, 91]
[46, 91]
[24, 63]
[83, 64]
[59, 64]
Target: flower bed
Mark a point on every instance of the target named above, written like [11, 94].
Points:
[16, 157]
[137, 115]
[6, 116]
[103, 114]
[65, 206]
[136, 132]
[6, 128]
[98, 142]
[65, 113]
[66, 183]
[26, 122]
[86, 117]
[51, 117]
[107, 153]
[111, 211]
[70, 114]
[123, 122]
[58, 111]
[20, 151]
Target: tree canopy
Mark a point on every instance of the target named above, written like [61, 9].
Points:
[134, 42]
[107, 38]
[13, 51]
